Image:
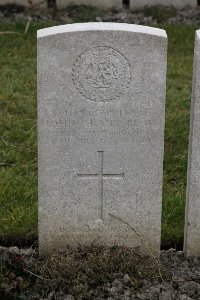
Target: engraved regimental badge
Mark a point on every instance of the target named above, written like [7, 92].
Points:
[101, 74]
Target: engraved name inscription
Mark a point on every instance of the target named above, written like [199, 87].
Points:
[123, 125]
[100, 176]
[101, 74]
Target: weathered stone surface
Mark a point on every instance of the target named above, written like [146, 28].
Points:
[135, 4]
[192, 216]
[101, 104]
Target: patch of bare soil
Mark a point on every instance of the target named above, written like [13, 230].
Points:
[148, 16]
[98, 272]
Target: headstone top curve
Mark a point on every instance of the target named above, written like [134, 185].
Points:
[103, 26]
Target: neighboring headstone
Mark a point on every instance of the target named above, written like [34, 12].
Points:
[138, 4]
[30, 4]
[192, 216]
[101, 111]
[104, 4]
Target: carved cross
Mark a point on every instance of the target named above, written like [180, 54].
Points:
[100, 176]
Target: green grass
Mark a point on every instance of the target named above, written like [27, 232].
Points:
[18, 183]
[160, 13]
[18, 152]
[179, 81]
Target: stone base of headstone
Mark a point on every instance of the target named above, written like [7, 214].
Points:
[139, 4]
[104, 4]
[32, 3]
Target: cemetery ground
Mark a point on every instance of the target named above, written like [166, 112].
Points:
[18, 185]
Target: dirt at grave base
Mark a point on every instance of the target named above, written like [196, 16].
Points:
[148, 16]
[98, 272]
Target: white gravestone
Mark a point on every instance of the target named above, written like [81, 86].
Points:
[192, 216]
[30, 4]
[101, 106]
[104, 4]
